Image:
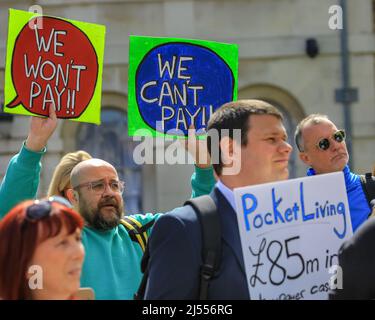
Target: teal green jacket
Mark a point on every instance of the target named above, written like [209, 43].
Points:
[21, 179]
[112, 261]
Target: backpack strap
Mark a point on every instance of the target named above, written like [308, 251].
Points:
[368, 186]
[137, 231]
[206, 211]
[208, 217]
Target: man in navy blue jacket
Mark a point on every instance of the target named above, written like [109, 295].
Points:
[259, 155]
[322, 147]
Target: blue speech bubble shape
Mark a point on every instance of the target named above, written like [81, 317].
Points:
[180, 83]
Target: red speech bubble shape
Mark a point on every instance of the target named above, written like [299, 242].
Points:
[56, 64]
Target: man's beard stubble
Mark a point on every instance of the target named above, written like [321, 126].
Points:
[95, 218]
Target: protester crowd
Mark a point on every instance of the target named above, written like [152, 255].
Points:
[79, 236]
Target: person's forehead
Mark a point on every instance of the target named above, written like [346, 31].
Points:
[263, 124]
[98, 172]
[315, 130]
[43, 231]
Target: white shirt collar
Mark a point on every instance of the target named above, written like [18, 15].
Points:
[228, 193]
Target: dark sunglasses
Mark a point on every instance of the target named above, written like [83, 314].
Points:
[42, 208]
[338, 136]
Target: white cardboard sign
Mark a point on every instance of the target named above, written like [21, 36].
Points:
[290, 235]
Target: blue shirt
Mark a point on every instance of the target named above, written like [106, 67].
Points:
[358, 205]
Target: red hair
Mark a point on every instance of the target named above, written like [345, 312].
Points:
[19, 238]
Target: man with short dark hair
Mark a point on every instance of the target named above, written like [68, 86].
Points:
[322, 147]
[258, 155]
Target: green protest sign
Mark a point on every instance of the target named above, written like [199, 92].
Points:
[54, 61]
[177, 82]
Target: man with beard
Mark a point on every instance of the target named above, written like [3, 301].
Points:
[98, 191]
[322, 147]
[112, 262]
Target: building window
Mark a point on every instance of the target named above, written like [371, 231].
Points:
[110, 142]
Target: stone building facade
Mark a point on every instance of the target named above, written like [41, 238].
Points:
[273, 65]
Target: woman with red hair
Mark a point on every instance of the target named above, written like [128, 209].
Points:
[41, 252]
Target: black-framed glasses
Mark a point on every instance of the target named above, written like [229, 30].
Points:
[99, 186]
[324, 144]
[42, 208]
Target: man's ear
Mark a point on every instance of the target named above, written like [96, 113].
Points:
[72, 196]
[230, 156]
[305, 158]
[226, 147]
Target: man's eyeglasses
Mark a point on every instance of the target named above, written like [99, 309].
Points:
[99, 186]
[338, 136]
[42, 208]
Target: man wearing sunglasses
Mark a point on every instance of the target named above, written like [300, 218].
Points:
[22, 176]
[322, 147]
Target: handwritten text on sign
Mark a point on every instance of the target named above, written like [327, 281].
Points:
[290, 234]
[178, 84]
[54, 65]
